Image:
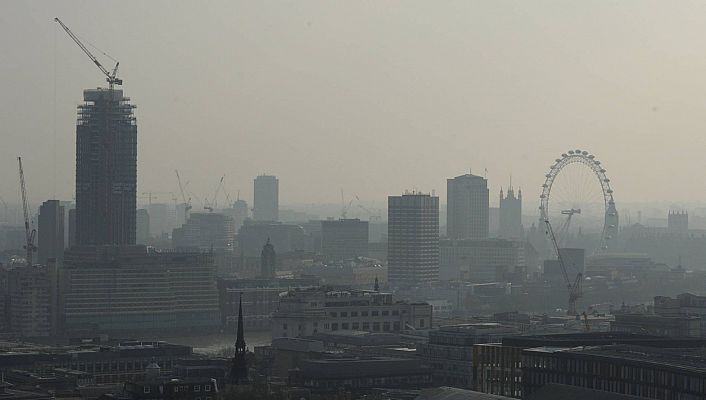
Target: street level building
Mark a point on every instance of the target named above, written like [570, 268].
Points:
[260, 299]
[450, 350]
[646, 372]
[413, 239]
[305, 312]
[106, 169]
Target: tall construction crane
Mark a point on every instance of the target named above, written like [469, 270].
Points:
[214, 202]
[187, 203]
[574, 286]
[29, 233]
[110, 77]
[345, 207]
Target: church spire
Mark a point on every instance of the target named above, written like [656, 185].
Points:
[239, 367]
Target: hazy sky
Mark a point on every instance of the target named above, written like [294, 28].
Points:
[372, 96]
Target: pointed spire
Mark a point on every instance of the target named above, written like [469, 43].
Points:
[377, 284]
[239, 367]
[240, 340]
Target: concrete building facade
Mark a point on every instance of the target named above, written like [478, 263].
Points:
[266, 199]
[131, 289]
[467, 207]
[50, 232]
[413, 239]
[344, 239]
[106, 169]
[306, 312]
[479, 261]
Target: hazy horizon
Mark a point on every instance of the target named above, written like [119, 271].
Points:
[374, 98]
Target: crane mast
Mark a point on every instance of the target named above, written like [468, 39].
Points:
[573, 287]
[29, 232]
[110, 77]
[187, 203]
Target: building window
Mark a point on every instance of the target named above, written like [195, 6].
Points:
[375, 313]
[146, 389]
[344, 314]
[395, 312]
[376, 327]
[354, 313]
[344, 326]
[386, 326]
[197, 388]
[364, 313]
[326, 325]
[366, 326]
[385, 313]
[207, 388]
[334, 315]
[284, 326]
[421, 323]
[334, 327]
[396, 326]
[356, 326]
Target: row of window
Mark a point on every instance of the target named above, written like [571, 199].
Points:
[374, 313]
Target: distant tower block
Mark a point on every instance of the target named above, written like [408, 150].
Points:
[467, 214]
[106, 169]
[268, 261]
[266, 199]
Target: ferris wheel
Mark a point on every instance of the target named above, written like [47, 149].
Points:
[577, 191]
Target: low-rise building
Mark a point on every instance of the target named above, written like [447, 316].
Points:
[652, 324]
[305, 312]
[107, 363]
[642, 371]
[479, 260]
[498, 366]
[260, 298]
[359, 374]
[450, 350]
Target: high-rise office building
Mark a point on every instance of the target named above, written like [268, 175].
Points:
[239, 213]
[344, 239]
[511, 215]
[106, 169]
[51, 232]
[467, 207]
[206, 231]
[413, 239]
[143, 226]
[266, 200]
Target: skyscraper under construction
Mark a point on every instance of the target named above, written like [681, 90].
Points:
[106, 169]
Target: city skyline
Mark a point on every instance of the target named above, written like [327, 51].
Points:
[487, 103]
